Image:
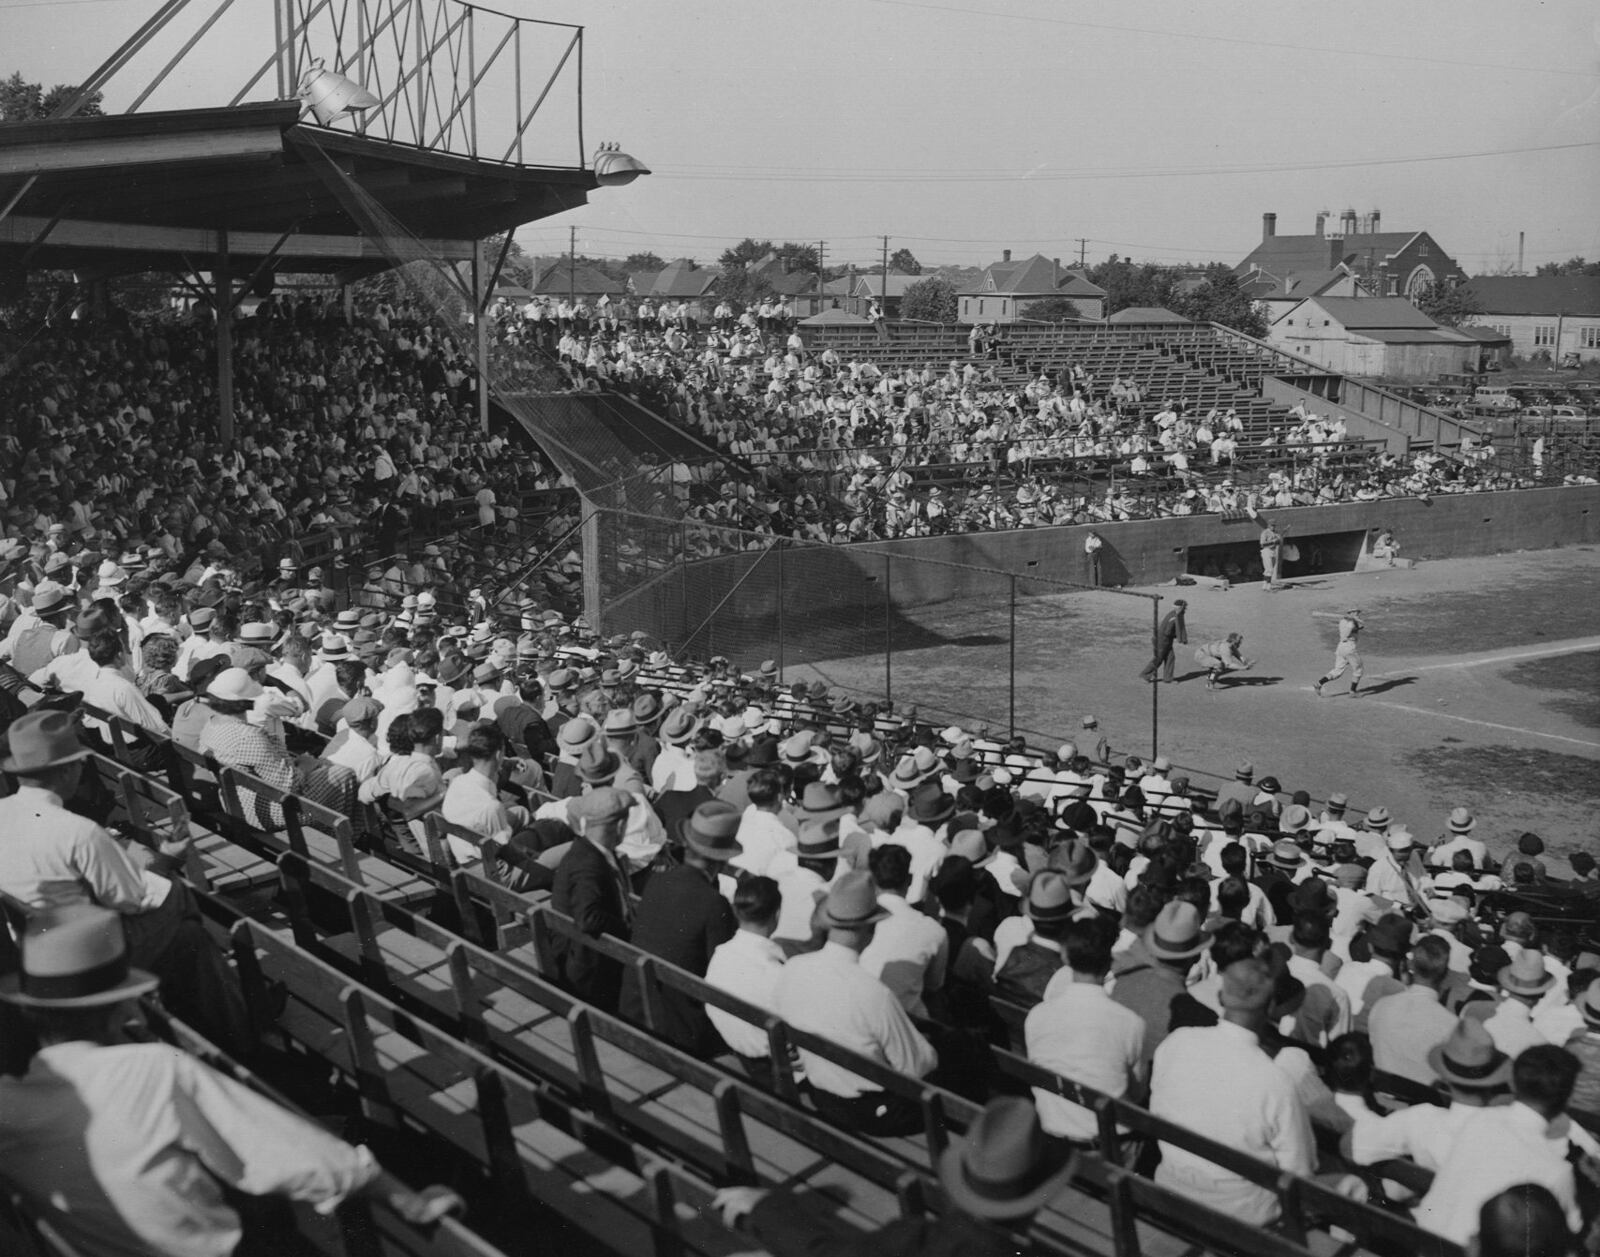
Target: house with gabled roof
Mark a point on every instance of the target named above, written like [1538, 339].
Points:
[1385, 337]
[1554, 314]
[561, 278]
[1006, 288]
[678, 281]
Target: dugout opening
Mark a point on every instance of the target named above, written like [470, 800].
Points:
[1241, 560]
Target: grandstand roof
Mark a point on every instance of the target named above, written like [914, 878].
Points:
[145, 191]
[1538, 294]
[1146, 314]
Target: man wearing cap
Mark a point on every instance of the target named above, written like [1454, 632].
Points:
[1171, 633]
[1506, 1145]
[209, 639]
[51, 857]
[994, 1179]
[125, 1147]
[35, 634]
[1473, 1072]
[355, 746]
[683, 919]
[1079, 1032]
[828, 993]
[1394, 874]
[70, 667]
[1347, 655]
[591, 887]
[1217, 1080]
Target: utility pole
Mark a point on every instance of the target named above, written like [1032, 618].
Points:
[883, 288]
[1083, 249]
[572, 263]
[822, 272]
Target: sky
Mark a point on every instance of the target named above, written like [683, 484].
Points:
[1160, 130]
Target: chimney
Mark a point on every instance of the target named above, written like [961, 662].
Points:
[1522, 239]
[1269, 226]
[1375, 221]
[1322, 222]
[1347, 223]
[1005, 255]
[1335, 251]
[1055, 274]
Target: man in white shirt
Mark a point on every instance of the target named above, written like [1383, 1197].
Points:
[1523, 984]
[355, 745]
[109, 689]
[472, 800]
[927, 811]
[1461, 826]
[762, 833]
[909, 951]
[1522, 1142]
[748, 965]
[1082, 1034]
[805, 881]
[1219, 1082]
[827, 993]
[1406, 1027]
[1475, 1073]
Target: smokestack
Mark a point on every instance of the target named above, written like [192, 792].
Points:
[1269, 226]
[1322, 222]
[1376, 221]
[1005, 255]
[1521, 240]
[1055, 274]
[1347, 223]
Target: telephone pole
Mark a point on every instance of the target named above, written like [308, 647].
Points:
[883, 287]
[1083, 249]
[572, 263]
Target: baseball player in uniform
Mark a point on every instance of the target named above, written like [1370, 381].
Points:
[1348, 654]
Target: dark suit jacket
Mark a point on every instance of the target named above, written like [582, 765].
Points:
[676, 806]
[682, 918]
[587, 890]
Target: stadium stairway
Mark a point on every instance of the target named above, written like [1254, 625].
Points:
[456, 1031]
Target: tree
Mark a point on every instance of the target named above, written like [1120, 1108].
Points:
[744, 253]
[635, 262]
[1051, 310]
[1219, 298]
[1572, 266]
[740, 287]
[931, 300]
[799, 257]
[905, 261]
[1134, 284]
[21, 101]
[1449, 305]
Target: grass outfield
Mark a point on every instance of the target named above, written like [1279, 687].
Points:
[1484, 680]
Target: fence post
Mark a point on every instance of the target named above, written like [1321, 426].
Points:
[888, 630]
[1012, 669]
[1155, 681]
[780, 607]
[683, 582]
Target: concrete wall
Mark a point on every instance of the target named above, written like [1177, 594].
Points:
[1360, 426]
[1139, 552]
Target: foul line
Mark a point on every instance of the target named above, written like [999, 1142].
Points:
[1571, 647]
[1487, 724]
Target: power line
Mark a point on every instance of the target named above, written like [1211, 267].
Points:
[1079, 176]
[1306, 49]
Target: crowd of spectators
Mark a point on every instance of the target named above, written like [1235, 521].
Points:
[348, 433]
[834, 447]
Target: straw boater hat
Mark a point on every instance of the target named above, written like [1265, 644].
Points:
[1469, 1058]
[1461, 821]
[1526, 975]
[1004, 1168]
[74, 956]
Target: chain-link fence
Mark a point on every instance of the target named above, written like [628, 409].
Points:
[956, 641]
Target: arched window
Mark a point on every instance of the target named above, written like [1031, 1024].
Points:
[1418, 282]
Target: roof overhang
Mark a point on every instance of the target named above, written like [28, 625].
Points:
[159, 190]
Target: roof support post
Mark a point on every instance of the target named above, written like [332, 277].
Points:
[222, 297]
[480, 333]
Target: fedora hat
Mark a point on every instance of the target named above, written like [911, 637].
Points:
[50, 597]
[1526, 975]
[905, 774]
[797, 749]
[1004, 1167]
[1175, 934]
[819, 838]
[1312, 896]
[1461, 821]
[620, 722]
[598, 765]
[74, 956]
[679, 726]
[646, 708]
[1296, 819]
[852, 902]
[1469, 1058]
[576, 734]
[453, 670]
[929, 805]
[1049, 897]
[972, 846]
[820, 801]
[42, 740]
[712, 830]
[1075, 860]
[1589, 1003]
